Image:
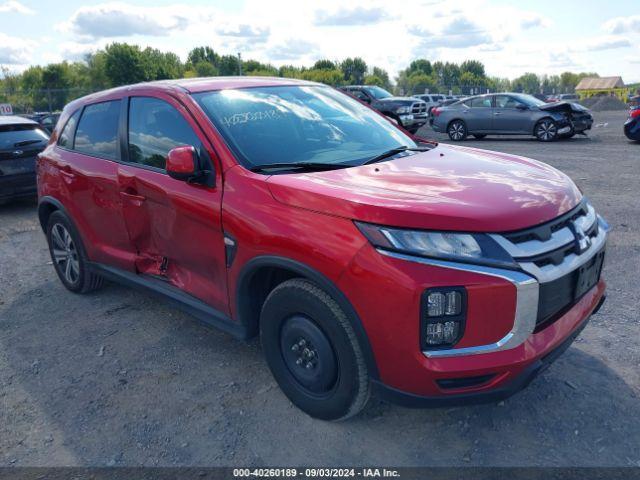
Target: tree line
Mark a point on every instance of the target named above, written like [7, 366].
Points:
[50, 87]
[469, 77]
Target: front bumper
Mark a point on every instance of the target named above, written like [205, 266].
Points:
[413, 120]
[502, 392]
[514, 320]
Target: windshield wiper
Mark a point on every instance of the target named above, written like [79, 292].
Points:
[26, 142]
[303, 166]
[393, 151]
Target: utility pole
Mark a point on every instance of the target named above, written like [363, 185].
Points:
[239, 64]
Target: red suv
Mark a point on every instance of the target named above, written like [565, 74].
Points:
[363, 257]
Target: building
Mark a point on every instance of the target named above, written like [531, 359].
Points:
[611, 86]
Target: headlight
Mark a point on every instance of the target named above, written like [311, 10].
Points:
[406, 109]
[454, 246]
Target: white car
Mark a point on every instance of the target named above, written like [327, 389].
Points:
[432, 100]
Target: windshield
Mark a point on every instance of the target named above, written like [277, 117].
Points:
[378, 93]
[529, 100]
[12, 136]
[294, 124]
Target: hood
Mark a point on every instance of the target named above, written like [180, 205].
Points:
[563, 107]
[399, 100]
[446, 188]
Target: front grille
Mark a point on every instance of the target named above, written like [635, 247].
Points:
[419, 108]
[557, 253]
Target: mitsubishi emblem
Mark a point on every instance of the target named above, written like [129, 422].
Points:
[582, 241]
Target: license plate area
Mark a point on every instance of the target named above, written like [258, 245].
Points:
[588, 275]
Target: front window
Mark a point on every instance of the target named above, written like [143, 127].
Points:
[378, 93]
[294, 124]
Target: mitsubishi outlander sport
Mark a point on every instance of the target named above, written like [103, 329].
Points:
[365, 259]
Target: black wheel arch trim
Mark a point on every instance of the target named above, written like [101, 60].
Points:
[264, 261]
[42, 203]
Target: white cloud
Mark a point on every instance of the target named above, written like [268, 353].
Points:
[620, 25]
[16, 51]
[458, 33]
[293, 49]
[352, 16]
[109, 20]
[532, 20]
[12, 6]
[246, 31]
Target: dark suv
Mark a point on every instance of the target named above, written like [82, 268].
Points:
[410, 113]
[21, 140]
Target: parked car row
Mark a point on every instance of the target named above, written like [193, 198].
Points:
[47, 120]
[510, 114]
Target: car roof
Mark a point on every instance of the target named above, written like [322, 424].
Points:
[15, 120]
[196, 85]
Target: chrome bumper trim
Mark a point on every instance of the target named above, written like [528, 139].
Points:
[527, 290]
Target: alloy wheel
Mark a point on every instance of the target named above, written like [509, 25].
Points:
[65, 253]
[456, 131]
[547, 130]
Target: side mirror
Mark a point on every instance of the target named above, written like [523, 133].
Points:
[181, 163]
[521, 106]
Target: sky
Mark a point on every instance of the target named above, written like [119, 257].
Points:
[542, 36]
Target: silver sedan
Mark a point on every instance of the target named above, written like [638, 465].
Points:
[510, 114]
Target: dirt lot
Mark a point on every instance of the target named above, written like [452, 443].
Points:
[119, 378]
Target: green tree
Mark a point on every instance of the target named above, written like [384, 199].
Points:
[124, 64]
[527, 83]
[324, 65]
[421, 66]
[203, 54]
[354, 70]
[161, 65]
[228, 65]
[474, 67]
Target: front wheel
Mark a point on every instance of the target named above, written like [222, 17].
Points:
[313, 352]
[457, 130]
[546, 130]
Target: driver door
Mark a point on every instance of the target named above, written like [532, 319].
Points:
[174, 226]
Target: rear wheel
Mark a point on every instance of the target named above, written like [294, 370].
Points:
[546, 130]
[68, 256]
[313, 352]
[457, 130]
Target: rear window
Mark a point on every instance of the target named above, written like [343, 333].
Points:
[97, 133]
[16, 136]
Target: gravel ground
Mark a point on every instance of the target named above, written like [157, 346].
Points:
[118, 378]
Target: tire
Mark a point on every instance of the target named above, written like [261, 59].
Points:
[546, 130]
[457, 130]
[313, 352]
[69, 257]
[479, 136]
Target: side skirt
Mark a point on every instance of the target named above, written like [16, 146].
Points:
[191, 305]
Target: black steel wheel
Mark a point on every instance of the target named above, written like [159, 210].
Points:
[312, 351]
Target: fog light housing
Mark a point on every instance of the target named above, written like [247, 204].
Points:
[443, 315]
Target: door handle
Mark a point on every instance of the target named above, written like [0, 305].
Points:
[497, 113]
[133, 198]
[66, 171]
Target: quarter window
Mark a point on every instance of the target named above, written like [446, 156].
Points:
[97, 133]
[66, 137]
[155, 127]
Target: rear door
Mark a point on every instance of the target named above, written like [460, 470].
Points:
[477, 112]
[175, 227]
[86, 159]
[508, 118]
